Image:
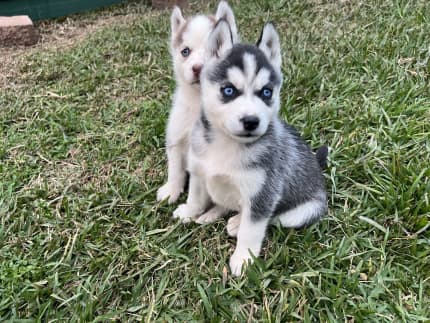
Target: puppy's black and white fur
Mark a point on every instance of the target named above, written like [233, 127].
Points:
[242, 156]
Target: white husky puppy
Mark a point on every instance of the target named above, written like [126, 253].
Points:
[187, 46]
[242, 156]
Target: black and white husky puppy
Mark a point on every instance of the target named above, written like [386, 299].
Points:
[188, 49]
[242, 156]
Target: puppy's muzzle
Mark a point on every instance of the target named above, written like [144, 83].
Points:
[250, 123]
[196, 70]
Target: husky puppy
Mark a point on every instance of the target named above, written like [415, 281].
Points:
[187, 46]
[243, 157]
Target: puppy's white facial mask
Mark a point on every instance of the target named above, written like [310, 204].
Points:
[188, 48]
[241, 84]
[189, 41]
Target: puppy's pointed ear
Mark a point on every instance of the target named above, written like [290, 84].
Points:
[269, 44]
[224, 11]
[220, 39]
[176, 20]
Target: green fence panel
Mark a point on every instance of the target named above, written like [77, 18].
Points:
[44, 9]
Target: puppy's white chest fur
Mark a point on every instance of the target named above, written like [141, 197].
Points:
[185, 111]
[228, 182]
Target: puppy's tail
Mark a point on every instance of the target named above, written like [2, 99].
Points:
[321, 155]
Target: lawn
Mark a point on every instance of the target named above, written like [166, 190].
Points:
[82, 120]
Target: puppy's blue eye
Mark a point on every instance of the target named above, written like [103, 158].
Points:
[228, 91]
[185, 52]
[266, 93]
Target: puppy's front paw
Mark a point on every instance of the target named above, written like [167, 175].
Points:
[233, 225]
[237, 260]
[169, 190]
[185, 213]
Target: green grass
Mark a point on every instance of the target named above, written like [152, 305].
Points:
[82, 155]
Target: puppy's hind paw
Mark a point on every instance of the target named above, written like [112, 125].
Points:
[233, 225]
[210, 216]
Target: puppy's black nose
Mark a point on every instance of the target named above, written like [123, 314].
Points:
[250, 123]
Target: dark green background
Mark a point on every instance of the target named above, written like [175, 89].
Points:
[44, 9]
